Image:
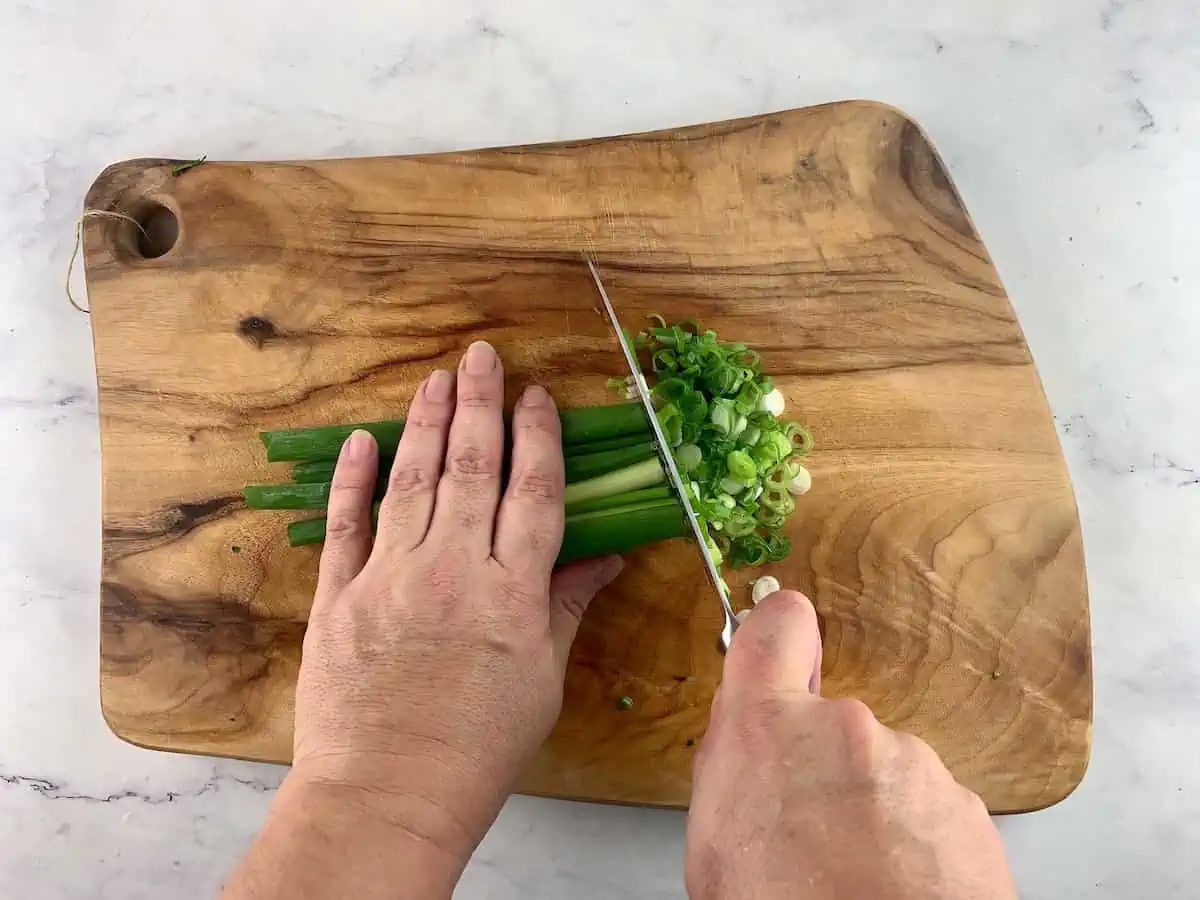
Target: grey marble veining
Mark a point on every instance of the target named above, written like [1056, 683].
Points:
[1070, 129]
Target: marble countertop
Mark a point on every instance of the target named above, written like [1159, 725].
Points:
[1068, 129]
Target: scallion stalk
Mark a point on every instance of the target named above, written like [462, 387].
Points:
[621, 529]
[617, 443]
[639, 475]
[591, 465]
[579, 426]
[307, 495]
[662, 492]
[596, 533]
[287, 496]
[581, 461]
[318, 470]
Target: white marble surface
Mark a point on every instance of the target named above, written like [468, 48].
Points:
[1070, 128]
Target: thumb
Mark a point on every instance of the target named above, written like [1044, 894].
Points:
[778, 647]
[571, 591]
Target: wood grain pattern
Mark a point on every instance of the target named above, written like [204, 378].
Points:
[940, 543]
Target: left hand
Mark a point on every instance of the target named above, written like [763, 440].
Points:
[435, 655]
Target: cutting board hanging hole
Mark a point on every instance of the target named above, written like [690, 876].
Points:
[157, 232]
[152, 231]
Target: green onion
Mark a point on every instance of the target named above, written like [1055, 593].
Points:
[590, 465]
[639, 475]
[287, 496]
[688, 457]
[621, 529]
[307, 495]
[579, 426]
[617, 443]
[578, 468]
[614, 500]
[314, 472]
[718, 413]
[585, 535]
[589, 424]
[319, 470]
[304, 444]
[741, 467]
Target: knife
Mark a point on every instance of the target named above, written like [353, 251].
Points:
[668, 461]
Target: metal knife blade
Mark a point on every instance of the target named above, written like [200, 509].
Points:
[668, 460]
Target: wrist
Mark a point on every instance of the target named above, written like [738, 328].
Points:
[327, 839]
[420, 801]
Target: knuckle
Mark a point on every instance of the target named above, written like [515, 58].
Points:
[539, 423]
[859, 732]
[425, 420]
[472, 463]
[537, 485]
[348, 491]
[341, 527]
[477, 397]
[407, 479]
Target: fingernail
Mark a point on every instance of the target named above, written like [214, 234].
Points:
[480, 358]
[607, 574]
[535, 395]
[357, 445]
[438, 386]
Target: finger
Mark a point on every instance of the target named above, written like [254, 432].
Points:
[529, 527]
[348, 521]
[407, 506]
[572, 589]
[778, 648]
[465, 509]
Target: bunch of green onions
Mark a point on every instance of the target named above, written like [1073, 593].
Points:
[718, 412]
[616, 497]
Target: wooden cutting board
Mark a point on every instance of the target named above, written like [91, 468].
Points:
[940, 542]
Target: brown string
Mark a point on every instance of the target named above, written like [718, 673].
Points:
[92, 214]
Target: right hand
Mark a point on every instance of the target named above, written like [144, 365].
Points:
[799, 797]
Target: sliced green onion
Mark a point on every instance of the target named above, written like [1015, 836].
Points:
[731, 485]
[688, 457]
[719, 411]
[741, 467]
[723, 415]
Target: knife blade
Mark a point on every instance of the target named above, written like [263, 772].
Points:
[668, 460]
